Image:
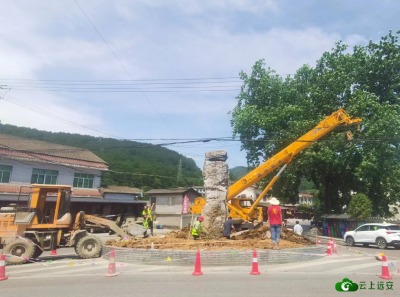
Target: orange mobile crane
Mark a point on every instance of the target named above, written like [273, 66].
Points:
[244, 211]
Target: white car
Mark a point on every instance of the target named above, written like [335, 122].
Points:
[383, 235]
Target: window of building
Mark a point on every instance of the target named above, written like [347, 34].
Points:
[153, 200]
[83, 180]
[171, 201]
[44, 176]
[5, 173]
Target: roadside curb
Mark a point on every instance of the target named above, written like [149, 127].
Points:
[212, 258]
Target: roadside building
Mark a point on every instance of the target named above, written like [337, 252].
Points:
[251, 192]
[172, 206]
[26, 161]
[305, 198]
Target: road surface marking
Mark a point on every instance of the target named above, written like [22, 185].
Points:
[357, 267]
[290, 266]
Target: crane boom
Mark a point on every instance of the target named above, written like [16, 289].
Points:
[285, 156]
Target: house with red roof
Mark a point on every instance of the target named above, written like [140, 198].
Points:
[27, 161]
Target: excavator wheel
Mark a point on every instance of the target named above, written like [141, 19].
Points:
[21, 250]
[89, 247]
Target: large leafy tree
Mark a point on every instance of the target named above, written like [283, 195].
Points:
[360, 207]
[274, 111]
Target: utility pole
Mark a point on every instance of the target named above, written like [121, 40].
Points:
[179, 175]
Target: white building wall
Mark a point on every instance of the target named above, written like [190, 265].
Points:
[22, 172]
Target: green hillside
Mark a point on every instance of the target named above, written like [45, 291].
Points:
[124, 156]
[237, 172]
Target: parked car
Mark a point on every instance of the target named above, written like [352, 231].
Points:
[383, 235]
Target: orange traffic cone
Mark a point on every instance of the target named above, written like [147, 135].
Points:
[53, 252]
[385, 269]
[3, 268]
[319, 240]
[111, 267]
[197, 266]
[255, 271]
[329, 249]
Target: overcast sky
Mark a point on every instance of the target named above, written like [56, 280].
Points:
[163, 39]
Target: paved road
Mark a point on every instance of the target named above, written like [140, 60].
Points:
[68, 276]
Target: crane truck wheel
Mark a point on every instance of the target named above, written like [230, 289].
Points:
[20, 249]
[89, 247]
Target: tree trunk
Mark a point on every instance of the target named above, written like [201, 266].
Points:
[328, 195]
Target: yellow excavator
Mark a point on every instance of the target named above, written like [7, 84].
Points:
[244, 211]
[27, 231]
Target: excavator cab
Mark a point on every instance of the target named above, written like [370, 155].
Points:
[40, 211]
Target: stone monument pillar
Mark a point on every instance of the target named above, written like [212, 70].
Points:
[215, 174]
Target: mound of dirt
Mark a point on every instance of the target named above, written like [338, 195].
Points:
[177, 240]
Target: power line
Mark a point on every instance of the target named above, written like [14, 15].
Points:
[122, 83]
[123, 91]
[122, 65]
[118, 88]
[31, 107]
[121, 80]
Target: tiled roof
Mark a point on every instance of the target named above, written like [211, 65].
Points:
[120, 190]
[170, 191]
[45, 151]
[305, 195]
[10, 189]
[53, 159]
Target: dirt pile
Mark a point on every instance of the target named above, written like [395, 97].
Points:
[177, 240]
[261, 234]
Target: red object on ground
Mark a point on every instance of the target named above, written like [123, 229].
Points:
[197, 267]
[3, 268]
[254, 270]
[319, 240]
[53, 253]
[329, 249]
[385, 269]
[111, 267]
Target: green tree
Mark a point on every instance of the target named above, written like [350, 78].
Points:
[275, 111]
[360, 207]
[304, 208]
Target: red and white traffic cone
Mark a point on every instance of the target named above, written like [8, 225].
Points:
[3, 268]
[319, 240]
[53, 252]
[111, 267]
[254, 270]
[197, 266]
[329, 249]
[385, 269]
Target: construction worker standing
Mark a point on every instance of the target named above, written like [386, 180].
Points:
[196, 231]
[148, 218]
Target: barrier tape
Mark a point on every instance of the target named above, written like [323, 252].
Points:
[23, 238]
[356, 251]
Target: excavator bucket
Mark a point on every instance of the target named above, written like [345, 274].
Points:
[135, 230]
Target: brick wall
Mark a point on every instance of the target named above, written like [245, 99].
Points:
[212, 258]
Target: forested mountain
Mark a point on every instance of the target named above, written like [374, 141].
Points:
[140, 159]
[238, 172]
